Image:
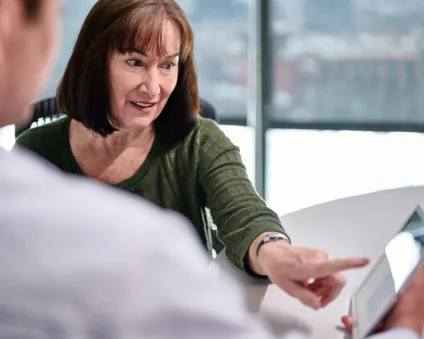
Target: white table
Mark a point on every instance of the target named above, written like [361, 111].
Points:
[355, 226]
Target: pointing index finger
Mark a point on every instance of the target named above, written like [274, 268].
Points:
[336, 265]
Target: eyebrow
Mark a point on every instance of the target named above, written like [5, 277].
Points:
[139, 51]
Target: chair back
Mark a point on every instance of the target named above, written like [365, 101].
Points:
[44, 111]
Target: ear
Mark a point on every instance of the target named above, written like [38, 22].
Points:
[7, 13]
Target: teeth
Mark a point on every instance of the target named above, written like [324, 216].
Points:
[143, 105]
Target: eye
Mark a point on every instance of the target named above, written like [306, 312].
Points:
[134, 63]
[169, 66]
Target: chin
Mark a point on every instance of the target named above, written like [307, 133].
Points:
[139, 123]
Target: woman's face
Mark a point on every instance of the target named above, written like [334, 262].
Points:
[140, 85]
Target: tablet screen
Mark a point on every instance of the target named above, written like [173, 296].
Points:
[378, 291]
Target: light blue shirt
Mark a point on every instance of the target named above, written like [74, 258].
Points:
[81, 260]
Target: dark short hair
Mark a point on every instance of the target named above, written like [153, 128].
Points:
[31, 7]
[122, 26]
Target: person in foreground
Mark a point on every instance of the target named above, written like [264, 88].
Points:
[81, 260]
[131, 101]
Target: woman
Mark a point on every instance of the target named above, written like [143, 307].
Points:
[131, 101]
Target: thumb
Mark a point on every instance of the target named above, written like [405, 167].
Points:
[347, 322]
[299, 291]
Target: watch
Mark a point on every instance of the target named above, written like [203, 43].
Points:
[272, 237]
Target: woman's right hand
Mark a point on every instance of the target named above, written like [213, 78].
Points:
[306, 274]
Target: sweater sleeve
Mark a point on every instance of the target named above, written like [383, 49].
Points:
[238, 211]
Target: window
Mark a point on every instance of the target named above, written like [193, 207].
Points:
[344, 65]
[351, 63]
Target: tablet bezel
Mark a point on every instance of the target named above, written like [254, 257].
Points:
[356, 329]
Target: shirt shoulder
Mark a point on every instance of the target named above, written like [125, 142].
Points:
[74, 248]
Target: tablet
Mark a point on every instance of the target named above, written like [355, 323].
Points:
[389, 276]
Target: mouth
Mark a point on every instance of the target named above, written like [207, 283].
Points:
[142, 105]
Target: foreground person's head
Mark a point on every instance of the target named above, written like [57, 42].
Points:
[29, 35]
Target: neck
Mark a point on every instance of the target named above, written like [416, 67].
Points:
[118, 142]
[123, 139]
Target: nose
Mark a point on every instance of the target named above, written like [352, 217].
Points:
[150, 84]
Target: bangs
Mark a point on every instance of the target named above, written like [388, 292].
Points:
[144, 32]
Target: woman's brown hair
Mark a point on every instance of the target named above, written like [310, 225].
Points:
[123, 26]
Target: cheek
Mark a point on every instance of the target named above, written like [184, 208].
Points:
[55, 34]
[168, 86]
[122, 84]
[117, 102]
[51, 39]
[117, 90]
[47, 47]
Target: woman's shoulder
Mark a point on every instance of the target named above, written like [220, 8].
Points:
[210, 135]
[205, 142]
[206, 130]
[207, 124]
[46, 130]
[205, 137]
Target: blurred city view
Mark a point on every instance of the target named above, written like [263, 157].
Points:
[356, 61]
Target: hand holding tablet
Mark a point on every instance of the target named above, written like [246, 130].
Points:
[392, 294]
[407, 312]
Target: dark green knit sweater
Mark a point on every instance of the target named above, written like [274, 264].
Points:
[203, 171]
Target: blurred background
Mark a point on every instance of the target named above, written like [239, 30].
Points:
[325, 98]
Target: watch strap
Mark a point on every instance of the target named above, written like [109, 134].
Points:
[272, 237]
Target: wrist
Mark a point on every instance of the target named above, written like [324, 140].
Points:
[259, 246]
[269, 238]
